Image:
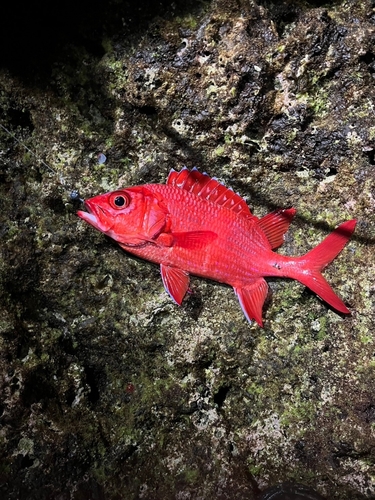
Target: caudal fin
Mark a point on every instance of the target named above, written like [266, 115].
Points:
[309, 265]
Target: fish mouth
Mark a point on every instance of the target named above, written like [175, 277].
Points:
[96, 216]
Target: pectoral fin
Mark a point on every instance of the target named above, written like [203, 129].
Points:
[252, 298]
[164, 240]
[191, 240]
[176, 282]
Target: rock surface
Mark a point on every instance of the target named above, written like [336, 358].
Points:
[109, 390]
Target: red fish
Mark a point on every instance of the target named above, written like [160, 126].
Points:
[195, 225]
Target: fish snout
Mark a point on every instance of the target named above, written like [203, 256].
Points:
[97, 216]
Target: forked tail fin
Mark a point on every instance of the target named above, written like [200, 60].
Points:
[308, 267]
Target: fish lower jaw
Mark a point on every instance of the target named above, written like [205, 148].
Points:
[90, 218]
[93, 220]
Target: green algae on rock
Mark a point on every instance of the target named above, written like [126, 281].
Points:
[283, 92]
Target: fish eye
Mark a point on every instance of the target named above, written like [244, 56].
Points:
[120, 200]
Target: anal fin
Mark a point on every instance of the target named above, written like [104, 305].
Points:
[175, 281]
[252, 298]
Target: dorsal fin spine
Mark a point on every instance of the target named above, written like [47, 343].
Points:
[208, 188]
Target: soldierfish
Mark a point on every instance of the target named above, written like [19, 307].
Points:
[195, 225]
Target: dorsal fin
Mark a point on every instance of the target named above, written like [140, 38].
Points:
[208, 188]
[276, 224]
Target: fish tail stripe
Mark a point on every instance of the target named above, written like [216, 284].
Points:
[309, 266]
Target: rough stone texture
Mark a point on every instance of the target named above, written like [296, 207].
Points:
[109, 390]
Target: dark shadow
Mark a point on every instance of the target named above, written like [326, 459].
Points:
[36, 34]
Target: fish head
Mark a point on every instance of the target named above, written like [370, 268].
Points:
[130, 216]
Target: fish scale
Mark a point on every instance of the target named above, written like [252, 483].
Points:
[228, 260]
[193, 224]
